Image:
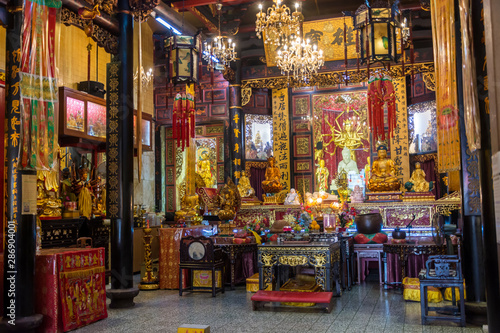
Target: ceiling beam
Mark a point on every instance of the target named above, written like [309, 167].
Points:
[206, 22]
[175, 19]
[179, 5]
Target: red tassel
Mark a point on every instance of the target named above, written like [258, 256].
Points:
[174, 124]
[192, 123]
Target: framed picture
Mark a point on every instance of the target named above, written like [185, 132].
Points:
[161, 100]
[302, 166]
[258, 137]
[201, 111]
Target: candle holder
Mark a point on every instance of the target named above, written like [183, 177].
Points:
[149, 281]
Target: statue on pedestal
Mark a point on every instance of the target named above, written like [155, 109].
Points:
[383, 174]
[347, 164]
[272, 183]
[322, 175]
[229, 201]
[48, 203]
[244, 187]
[417, 182]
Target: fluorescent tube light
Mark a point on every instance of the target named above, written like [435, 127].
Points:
[168, 25]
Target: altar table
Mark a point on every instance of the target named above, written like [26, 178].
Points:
[403, 251]
[323, 256]
[70, 288]
[232, 252]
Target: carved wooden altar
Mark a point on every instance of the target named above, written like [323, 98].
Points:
[271, 212]
[324, 257]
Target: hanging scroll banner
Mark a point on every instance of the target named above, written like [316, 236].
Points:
[443, 34]
[281, 135]
[39, 83]
[399, 142]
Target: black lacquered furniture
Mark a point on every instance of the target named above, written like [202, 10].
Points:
[200, 253]
[443, 271]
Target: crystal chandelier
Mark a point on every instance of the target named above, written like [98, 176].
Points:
[146, 77]
[300, 58]
[219, 52]
[278, 23]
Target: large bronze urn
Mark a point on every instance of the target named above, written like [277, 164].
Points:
[369, 223]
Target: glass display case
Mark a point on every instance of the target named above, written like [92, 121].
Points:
[96, 120]
[81, 115]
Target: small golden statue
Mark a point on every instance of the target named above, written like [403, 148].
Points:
[48, 204]
[272, 183]
[229, 201]
[244, 187]
[383, 175]
[84, 189]
[322, 175]
[342, 188]
[417, 182]
[189, 207]
[204, 170]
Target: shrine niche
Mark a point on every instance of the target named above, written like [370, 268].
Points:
[341, 135]
[258, 137]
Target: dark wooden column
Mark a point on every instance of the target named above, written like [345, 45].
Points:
[236, 128]
[20, 233]
[120, 152]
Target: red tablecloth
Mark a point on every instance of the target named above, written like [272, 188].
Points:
[70, 288]
[170, 240]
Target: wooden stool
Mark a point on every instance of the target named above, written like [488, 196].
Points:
[366, 253]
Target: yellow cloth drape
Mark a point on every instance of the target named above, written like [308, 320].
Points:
[443, 36]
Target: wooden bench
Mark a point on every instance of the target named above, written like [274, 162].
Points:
[323, 299]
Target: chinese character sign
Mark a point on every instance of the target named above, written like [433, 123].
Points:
[281, 134]
[399, 142]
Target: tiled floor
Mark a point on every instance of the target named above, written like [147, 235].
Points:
[366, 308]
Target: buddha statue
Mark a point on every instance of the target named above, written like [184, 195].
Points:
[272, 182]
[244, 187]
[204, 169]
[357, 195]
[347, 164]
[85, 196]
[322, 175]
[417, 182]
[292, 198]
[48, 203]
[383, 174]
[229, 201]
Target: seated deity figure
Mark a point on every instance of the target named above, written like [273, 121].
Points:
[347, 164]
[357, 195]
[244, 187]
[322, 174]
[417, 182]
[272, 183]
[292, 198]
[383, 174]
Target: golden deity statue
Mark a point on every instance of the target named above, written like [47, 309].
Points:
[383, 175]
[47, 187]
[322, 175]
[417, 182]
[367, 168]
[349, 136]
[204, 170]
[244, 187]
[229, 201]
[85, 196]
[272, 183]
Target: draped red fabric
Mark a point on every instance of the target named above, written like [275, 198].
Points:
[257, 176]
[430, 175]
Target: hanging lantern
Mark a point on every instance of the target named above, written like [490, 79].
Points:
[377, 25]
[183, 53]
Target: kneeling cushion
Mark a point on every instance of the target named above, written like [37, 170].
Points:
[378, 238]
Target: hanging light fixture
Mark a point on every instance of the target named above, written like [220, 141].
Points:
[278, 23]
[300, 58]
[378, 25]
[183, 53]
[220, 51]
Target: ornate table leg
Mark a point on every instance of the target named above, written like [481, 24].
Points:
[232, 261]
[322, 277]
[265, 277]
